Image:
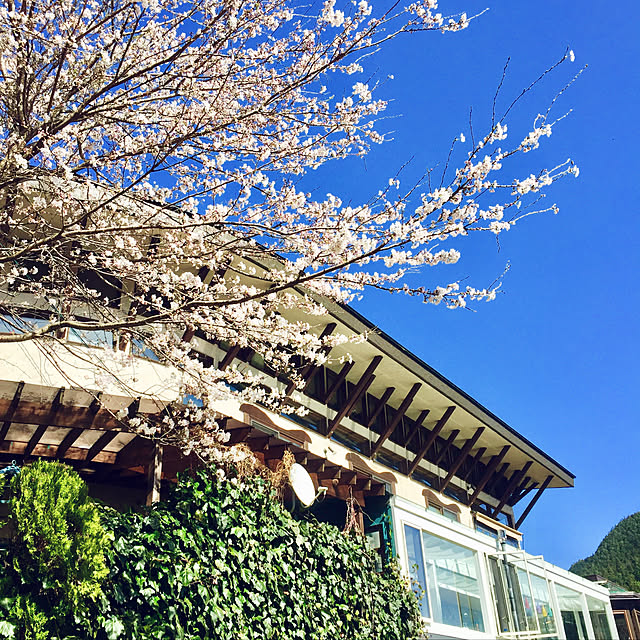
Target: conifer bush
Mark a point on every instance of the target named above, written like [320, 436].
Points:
[54, 564]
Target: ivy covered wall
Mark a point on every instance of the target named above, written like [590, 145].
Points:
[220, 559]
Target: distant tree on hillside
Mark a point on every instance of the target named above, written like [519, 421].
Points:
[617, 558]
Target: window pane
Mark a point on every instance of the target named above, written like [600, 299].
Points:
[416, 565]
[573, 620]
[544, 612]
[454, 589]
[599, 620]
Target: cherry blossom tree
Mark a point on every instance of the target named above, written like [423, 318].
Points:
[150, 171]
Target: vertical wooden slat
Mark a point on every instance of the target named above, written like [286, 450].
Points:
[154, 475]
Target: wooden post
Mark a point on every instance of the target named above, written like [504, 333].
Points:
[154, 475]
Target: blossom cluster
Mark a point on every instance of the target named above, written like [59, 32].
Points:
[149, 182]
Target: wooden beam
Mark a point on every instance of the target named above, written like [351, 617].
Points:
[445, 447]
[309, 370]
[40, 431]
[361, 387]
[239, 435]
[513, 483]
[348, 477]
[275, 451]
[481, 451]
[488, 474]
[535, 499]
[431, 438]
[315, 465]
[68, 441]
[522, 493]
[76, 432]
[154, 475]
[416, 427]
[380, 406]
[11, 410]
[134, 452]
[229, 357]
[332, 472]
[100, 444]
[462, 456]
[402, 409]
[342, 376]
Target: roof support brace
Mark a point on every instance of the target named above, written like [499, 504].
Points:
[342, 376]
[402, 409]
[431, 439]
[361, 387]
[310, 369]
[416, 427]
[488, 474]
[535, 499]
[452, 436]
[513, 483]
[481, 451]
[380, 406]
[464, 452]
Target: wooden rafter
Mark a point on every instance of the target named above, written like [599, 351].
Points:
[416, 427]
[513, 483]
[445, 447]
[488, 474]
[390, 428]
[380, 406]
[462, 456]
[100, 444]
[40, 430]
[479, 453]
[523, 493]
[361, 387]
[535, 499]
[431, 438]
[342, 376]
[309, 370]
[229, 357]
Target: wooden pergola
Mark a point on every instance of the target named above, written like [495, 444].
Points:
[81, 428]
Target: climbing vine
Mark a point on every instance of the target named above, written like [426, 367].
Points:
[220, 559]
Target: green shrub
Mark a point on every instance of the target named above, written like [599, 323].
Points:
[55, 561]
[228, 562]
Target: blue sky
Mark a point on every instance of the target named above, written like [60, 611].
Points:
[556, 355]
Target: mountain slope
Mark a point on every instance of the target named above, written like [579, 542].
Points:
[617, 558]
